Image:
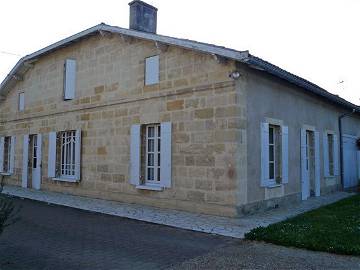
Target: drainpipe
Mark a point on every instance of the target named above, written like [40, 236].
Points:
[341, 145]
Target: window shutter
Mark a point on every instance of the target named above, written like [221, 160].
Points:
[285, 154]
[135, 155]
[21, 101]
[12, 153]
[152, 70]
[317, 163]
[264, 154]
[52, 154]
[69, 79]
[2, 139]
[24, 177]
[165, 155]
[39, 154]
[326, 156]
[78, 154]
[336, 155]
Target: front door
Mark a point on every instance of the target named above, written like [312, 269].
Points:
[310, 164]
[32, 161]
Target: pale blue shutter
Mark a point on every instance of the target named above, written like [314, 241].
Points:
[25, 162]
[326, 156]
[135, 145]
[264, 154]
[152, 70]
[336, 155]
[52, 154]
[2, 140]
[78, 154]
[12, 154]
[165, 155]
[317, 163]
[285, 154]
[69, 79]
[304, 175]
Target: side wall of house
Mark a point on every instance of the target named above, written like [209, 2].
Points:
[271, 98]
[195, 94]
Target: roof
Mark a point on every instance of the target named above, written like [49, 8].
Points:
[245, 57]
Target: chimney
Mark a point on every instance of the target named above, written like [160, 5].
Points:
[142, 16]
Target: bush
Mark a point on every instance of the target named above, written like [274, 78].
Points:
[7, 213]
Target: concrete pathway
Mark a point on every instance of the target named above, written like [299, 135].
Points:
[233, 227]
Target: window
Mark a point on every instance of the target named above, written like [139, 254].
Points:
[69, 79]
[64, 155]
[274, 154]
[21, 102]
[153, 144]
[330, 152]
[331, 155]
[150, 156]
[7, 154]
[152, 70]
[67, 154]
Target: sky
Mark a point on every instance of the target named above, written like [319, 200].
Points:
[317, 40]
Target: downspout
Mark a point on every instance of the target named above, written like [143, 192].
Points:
[341, 146]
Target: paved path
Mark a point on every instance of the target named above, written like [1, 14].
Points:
[179, 219]
[57, 238]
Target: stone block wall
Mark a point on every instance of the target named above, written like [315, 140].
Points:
[195, 94]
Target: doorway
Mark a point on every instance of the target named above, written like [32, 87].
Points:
[310, 164]
[350, 161]
[32, 146]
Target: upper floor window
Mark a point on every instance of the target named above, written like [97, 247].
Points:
[21, 103]
[69, 79]
[152, 70]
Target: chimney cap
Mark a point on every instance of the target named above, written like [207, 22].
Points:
[142, 3]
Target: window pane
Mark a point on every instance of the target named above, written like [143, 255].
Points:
[151, 145]
[271, 170]
[150, 159]
[271, 153]
[158, 174]
[150, 174]
[151, 132]
[271, 135]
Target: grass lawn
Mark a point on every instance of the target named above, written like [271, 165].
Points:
[333, 228]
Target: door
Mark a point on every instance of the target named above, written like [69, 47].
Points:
[305, 174]
[350, 161]
[36, 161]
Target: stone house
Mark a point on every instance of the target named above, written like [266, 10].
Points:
[133, 116]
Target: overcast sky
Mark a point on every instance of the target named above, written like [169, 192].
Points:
[315, 39]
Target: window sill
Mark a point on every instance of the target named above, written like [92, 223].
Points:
[274, 185]
[63, 179]
[5, 173]
[150, 187]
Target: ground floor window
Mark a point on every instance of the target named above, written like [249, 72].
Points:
[274, 153]
[64, 155]
[7, 154]
[153, 153]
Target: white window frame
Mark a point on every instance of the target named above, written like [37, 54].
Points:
[67, 140]
[273, 144]
[21, 102]
[156, 154]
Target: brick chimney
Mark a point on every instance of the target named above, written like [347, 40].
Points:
[143, 16]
